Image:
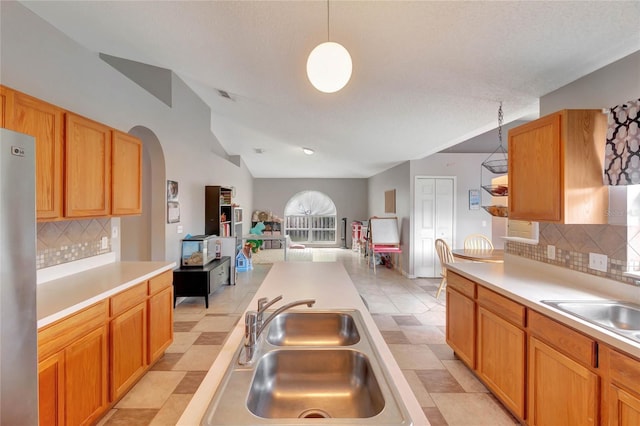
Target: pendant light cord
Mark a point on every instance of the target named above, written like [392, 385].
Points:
[328, 37]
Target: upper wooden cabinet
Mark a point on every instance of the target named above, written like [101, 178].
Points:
[126, 195]
[45, 122]
[556, 168]
[3, 104]
[88, 168]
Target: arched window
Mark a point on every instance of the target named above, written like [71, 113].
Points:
[310, 217]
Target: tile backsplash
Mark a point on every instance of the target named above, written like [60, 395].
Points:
[62, 242]
[573, 244]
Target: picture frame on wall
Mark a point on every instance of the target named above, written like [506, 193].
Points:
[173, 206]
[474, 199]
[390, 201]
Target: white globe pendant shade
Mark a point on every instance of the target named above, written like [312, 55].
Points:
[329, 67]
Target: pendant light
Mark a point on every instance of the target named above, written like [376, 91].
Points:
[329, 65]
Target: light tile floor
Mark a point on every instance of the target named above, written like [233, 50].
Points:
[411, 320]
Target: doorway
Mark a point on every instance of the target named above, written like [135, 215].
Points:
[434, 217]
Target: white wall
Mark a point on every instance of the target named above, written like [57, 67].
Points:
[349, 196]
[395, 178]
[41, 61]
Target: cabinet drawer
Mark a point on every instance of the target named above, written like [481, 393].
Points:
[622, 369]
[460, 283]
[501, 306]
[55, 337]
[568, 341]
[128, 298]
[160, 282]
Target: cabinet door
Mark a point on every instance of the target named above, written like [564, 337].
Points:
[4, 93]
[88, 168]
[461, 326]
[624, 407]
[128, 349]
[160, 323]
[561, 391]
[535, 180]
[51, 390]
[126, 177]
[85, 384]
[501, 359]
[45, 123]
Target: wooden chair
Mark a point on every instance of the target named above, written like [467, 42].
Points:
[445, 256]
[478, 242]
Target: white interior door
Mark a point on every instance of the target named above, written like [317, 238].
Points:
[434, 217]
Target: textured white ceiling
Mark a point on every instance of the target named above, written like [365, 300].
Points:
[426, 75]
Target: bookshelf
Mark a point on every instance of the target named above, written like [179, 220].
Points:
[222, 218]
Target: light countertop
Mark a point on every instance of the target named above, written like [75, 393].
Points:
[330, 285]
[529, 283]
[63, 296]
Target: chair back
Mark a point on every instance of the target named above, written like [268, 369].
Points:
[444, 254]
[478, 242]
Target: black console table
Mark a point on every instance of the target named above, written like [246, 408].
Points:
[200, 281]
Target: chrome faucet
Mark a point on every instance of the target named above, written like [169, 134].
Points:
[254, 325]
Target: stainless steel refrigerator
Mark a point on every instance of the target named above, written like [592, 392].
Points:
[18, 322]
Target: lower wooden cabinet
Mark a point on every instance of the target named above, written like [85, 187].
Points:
[461, 326]
[621, 388]
[89, 359]
[128, 349]
[85, 373]
[160, 322]
[501, 359]
[561, 390]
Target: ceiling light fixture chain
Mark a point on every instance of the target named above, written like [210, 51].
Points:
[500, 118]
[328, 32]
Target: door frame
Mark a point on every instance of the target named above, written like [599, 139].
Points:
[414, 221]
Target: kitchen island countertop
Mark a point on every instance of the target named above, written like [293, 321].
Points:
[330, 285]
[61, 297]
[529, 282]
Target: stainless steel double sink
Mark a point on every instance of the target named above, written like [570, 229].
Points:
[310, 367]
[620, 317]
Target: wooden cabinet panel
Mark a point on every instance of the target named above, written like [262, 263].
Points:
[501, 359]
[160, 282]
[4, 93]
[461, 326]
[461, 284]
[556, 168]
[580, 347]
[128, 349]
[501, 306]
[561, 391]
[51, 390]
[88, 168]
[126, 195]
[86, 378]
[128, 298]
[624, 408]
[55, 337]
[160, 323]
[45, 122]
[621, 388]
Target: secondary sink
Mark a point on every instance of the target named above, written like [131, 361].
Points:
[315, 384]
[313, 329]
[620, 317]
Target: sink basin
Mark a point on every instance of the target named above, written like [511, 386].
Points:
[309, 366]
[313, 329]
[620, 317]
[336, 383]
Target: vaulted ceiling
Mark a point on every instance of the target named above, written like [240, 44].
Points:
[427, 75]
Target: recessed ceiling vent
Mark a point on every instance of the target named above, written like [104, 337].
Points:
[258, 150]
[224, 94]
